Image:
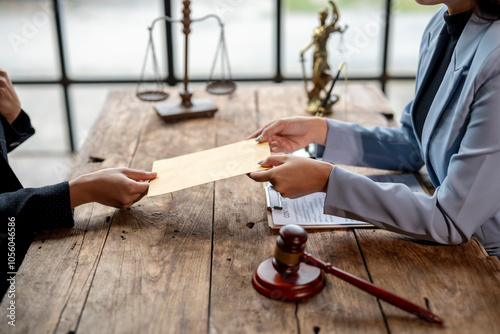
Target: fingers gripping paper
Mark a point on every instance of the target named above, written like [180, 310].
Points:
[207, 166]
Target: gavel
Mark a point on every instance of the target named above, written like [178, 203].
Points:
[293, 274]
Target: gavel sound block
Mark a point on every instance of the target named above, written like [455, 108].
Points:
[284, 277]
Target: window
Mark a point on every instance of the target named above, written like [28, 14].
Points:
[63, 56]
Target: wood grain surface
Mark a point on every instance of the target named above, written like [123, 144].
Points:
[183, 262]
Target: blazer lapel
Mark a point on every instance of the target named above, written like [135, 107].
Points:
[459, 66]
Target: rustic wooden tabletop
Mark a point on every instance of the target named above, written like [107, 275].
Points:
[183, 262]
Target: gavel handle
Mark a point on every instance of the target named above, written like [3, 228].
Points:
[372, 289]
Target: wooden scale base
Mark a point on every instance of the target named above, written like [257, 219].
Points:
[172, 111]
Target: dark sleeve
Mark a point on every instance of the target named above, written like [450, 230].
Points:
[23, 213]
[18, 131]
[36, 209]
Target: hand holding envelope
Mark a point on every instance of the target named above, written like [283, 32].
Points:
[207, 166]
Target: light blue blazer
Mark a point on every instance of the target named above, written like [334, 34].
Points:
[460, 147]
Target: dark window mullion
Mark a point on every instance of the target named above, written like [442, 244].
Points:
[64, 77]
[385, 53]
[278, 77]
[171, 79]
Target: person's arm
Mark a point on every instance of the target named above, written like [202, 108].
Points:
[290, 134]
[50, 207]
[14, 121]
[10, 107]
[18, 131]
[293, 176]
[116, 187]
[377, 147]
[346, 143]
[467, 196]
[24, 212]
[36, 209]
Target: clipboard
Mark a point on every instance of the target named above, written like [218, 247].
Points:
[307, 211]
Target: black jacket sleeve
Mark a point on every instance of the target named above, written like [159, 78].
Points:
[18, 131]
[25, 211]
[33, 208]
[36, 209]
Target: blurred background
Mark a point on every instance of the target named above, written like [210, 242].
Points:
[64, 56]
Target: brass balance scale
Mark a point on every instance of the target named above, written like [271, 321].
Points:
[188, 107]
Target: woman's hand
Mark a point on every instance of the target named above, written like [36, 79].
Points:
[290, 134]
[10, 107]
[293, 176]
[117, 187]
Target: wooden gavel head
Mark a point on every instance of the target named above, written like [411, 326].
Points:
[289, 247]
[283, 277]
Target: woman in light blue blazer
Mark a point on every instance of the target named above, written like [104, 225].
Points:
[452, 126]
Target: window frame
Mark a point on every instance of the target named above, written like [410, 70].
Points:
[171, 79]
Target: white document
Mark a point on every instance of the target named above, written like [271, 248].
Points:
[307, 211]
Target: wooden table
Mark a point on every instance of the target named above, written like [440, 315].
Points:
[183, 262]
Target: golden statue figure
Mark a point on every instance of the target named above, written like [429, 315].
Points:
[321, 70]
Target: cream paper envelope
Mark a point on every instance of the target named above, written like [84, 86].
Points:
[207, 166]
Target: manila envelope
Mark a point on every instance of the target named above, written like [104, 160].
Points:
[207, 166]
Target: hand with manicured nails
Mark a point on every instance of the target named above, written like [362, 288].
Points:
[290, 134]
[293, 176]
[117, 187]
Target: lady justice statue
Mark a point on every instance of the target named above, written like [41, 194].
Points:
[321, 71]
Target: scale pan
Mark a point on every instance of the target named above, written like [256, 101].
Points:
[151, 95]
[221, 87]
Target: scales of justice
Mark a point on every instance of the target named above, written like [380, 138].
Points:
[187, 107]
